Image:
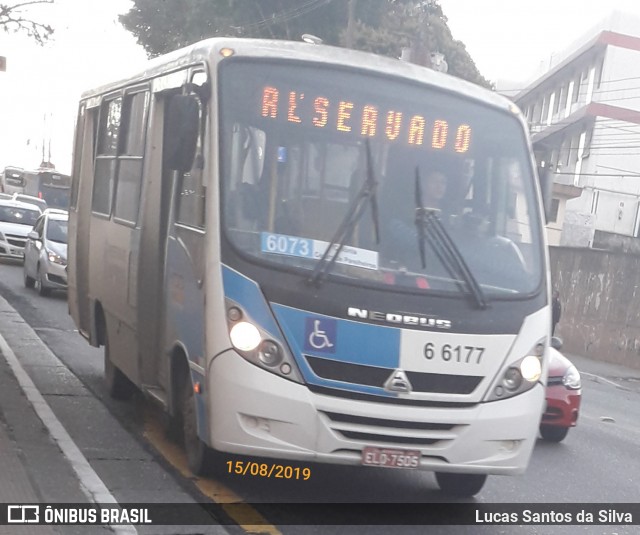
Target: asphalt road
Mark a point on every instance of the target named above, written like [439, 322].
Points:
[597, 463]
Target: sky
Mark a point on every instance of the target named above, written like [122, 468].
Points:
[507, 39]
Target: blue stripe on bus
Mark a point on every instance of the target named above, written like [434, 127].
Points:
[248, 295]
[351, 342]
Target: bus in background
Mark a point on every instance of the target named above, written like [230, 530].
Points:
[50, 185]
[253, 242]
[12, 180]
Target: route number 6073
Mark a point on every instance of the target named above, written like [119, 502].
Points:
[451, 353]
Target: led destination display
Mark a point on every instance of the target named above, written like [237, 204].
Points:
[367, 120]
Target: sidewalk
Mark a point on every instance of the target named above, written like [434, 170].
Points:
[32, 466]
[60, 444]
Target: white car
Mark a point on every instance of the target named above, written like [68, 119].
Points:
[45, 253]
[31, 199]
[16, 221]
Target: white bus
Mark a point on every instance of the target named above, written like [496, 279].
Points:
[250, 242]
[12, 180]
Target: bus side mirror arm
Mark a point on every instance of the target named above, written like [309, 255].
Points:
[181, 132]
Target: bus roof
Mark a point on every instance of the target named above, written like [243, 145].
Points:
[294, 50]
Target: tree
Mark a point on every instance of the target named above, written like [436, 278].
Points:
[14, 18]
[423, 27]
[381, 26]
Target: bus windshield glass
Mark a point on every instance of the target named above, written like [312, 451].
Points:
[294, 159]
[55, 189]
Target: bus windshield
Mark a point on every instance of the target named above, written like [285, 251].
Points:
[294, 157]
[55, 188]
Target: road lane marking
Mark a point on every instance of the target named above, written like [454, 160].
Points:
[90, 483]
[247, 517]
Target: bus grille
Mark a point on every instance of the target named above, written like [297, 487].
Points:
[392, 432]
[435, 383]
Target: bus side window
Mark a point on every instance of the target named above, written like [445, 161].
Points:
[106, 157]
[131, 157]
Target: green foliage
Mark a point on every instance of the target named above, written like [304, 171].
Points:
[380, 26]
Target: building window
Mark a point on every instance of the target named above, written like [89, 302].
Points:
[553, 213]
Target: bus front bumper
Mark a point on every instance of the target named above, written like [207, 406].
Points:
[254, 412]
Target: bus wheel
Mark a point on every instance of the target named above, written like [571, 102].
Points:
[198, 454]
[552, 433]
[118, 385]
[461, 485]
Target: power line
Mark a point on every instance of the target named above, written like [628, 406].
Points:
[283, 16]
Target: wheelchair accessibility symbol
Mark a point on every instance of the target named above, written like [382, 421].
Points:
[320, 335]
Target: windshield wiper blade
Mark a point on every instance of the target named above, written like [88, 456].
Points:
[354, 214]
[422, 236]
[431, 228]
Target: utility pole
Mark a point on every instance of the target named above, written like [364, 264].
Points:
[351, 23]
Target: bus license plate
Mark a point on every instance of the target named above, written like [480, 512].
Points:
[390, 458]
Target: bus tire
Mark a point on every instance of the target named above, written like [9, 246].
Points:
[197, 452]
[553, 433]
[460, 485]
[118, 385]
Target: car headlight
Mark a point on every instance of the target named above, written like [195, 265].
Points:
[258, 346]
[519, 376]
[56, 258]
[571, 378]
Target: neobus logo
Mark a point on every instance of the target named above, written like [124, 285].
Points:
[402, 319]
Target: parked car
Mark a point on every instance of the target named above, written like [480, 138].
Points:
[563, 396]
[16, 221]
[30, 199]
[45, 253]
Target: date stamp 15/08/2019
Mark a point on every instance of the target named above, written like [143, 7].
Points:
[275, 471]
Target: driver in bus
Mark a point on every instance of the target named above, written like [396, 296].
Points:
[401, 233]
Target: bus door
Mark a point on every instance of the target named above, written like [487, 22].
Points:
[80, 219]
[186, 246]
[172, 248]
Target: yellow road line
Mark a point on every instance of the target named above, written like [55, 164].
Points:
[248, 518]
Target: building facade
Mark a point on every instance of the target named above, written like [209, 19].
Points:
[584, 114]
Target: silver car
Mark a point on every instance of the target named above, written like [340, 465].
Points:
[16, 220]
[45, 253]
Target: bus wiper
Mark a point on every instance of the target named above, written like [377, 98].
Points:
[431, 229]
[354, 214]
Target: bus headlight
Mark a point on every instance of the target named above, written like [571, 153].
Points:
[519, 376]
[270, 353]
[245, 336]
[531, 368]
[259, 346]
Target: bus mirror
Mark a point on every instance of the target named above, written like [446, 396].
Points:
[181, 132]
[546, 182]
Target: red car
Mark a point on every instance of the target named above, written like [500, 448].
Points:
[563, 396]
